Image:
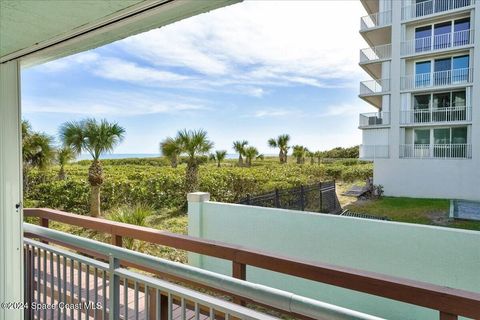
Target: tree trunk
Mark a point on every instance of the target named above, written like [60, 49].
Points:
[95, 201]
[95, 177]
[218, 164]
[280, 155]
[61, 173]
[174, 161]
[240, 161]
[191, 178]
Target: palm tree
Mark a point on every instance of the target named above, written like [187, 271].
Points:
[250, 153]
[37, 150]
[239, 146]
[64, 155]
[171, 148]
[311, 155]
[95, 138]
[219, 156]
[194, 144]
[299, 153]
[281, 142]
[319, 155]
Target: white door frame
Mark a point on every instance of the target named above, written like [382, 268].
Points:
[11, 216]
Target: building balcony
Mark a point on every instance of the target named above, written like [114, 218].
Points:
[371, 59]
[375, 54]
[434, 7]
[373, 87]
[371, 6]
[374, 119]
[443, 42]
[371, 152]
[436, 151]
[447, 78]
[372, 28]
[376, 20]
[436, 115]
[372, 90]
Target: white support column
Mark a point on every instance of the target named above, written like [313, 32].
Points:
[195, 208]
[11, 231]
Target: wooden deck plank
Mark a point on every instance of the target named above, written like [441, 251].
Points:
[52, 276]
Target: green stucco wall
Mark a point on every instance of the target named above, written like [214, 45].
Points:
[443, 256]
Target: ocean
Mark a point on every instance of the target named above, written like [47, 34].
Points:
[132, 155]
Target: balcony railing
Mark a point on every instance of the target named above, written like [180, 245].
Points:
[374, 151]
[449, 301]
[378, 19]
[370, 87]
[438, 42]
[111, 291]
[431, 115]
[437, 79]
[374, 119]
[377, 53]
[426, 8]
[436, 151]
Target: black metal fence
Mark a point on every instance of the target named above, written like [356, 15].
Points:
[319, 197]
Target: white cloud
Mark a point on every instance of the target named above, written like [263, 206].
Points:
[272, 113]
[67, 62]
[248, 45]
[113, 68]
[114, 104]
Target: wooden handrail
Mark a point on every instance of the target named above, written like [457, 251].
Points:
[449, 302]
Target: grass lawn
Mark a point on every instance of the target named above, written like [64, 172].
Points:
[412, 210]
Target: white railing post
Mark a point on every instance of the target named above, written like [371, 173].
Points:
[113, 289]
[196, 201]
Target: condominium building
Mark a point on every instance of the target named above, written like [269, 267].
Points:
[424, 62]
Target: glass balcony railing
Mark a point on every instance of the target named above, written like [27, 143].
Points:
[376, 86]
[378, 19]
[374, 119]
[376, 53]
[374, 151]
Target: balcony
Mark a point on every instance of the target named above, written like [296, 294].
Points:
[97, 273]
[376, 20]
[445, 78]
[370, 6]
[372, 28]
[374, 119]
[372, 87]
[370, 152]
[441, 42]
[436, 151]
[375, 54]
[371, 58]
[432, 7]
[372, 90]
[436, 115]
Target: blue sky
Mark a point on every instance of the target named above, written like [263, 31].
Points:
[248, 71]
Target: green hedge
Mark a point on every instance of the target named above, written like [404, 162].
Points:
[163, 187]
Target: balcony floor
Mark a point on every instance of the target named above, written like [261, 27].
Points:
[39, 279]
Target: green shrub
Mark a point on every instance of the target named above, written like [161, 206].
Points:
[163, 187]
[357, 173]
